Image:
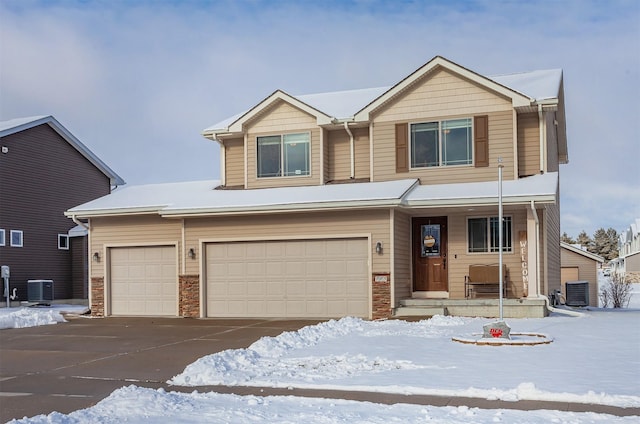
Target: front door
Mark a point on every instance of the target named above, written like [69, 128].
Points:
[429, 237]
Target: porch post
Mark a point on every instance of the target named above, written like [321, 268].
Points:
[532, 248]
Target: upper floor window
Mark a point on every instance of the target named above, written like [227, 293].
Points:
[2, 234]
[63, 242]
[16, 238]
[483, 235]
[285, 155]
[441, 143]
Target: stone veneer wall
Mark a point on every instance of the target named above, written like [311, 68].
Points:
[381, 296]
[97, 296]
[189, 300]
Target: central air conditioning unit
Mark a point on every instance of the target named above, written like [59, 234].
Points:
[39, 290]
[577, 293]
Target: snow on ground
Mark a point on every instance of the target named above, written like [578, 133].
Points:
[592, 359]
[33, 316]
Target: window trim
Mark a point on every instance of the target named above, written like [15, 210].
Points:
[3, 236]
[66, 244]
[21, 244]
[441, 164]
[282, 155]
[490, 248]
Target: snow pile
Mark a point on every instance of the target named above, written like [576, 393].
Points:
[35, 316]
[141, 405]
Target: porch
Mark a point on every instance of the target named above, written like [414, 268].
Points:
[483, 307]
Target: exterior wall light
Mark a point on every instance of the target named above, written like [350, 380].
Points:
[379, 248]
[96, 257]
[192, 253]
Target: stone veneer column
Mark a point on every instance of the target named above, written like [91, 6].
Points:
[381, 296]
[189, 297]
[97, 296]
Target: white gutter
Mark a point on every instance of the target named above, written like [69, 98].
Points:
[541, 130]
[351, 150]
[75, 219]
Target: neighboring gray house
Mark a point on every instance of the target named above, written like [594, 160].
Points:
[45, 170]
[627, 264]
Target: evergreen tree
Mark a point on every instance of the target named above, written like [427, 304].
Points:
[584, 240]
[605, 243]
[566, 239]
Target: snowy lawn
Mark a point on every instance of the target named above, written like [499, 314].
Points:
[592, 359]
[37, 315]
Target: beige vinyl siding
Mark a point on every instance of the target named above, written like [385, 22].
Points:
[552, 142]
[143, 230]
[282, 118]
[500, 145]
[339, 154]
[401, 276]
[326, 164]
[308, 225]
[459, 259]
[528, 144]
[234, 162]
[552, 248]
[587, 271]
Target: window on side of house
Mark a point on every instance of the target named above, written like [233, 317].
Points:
[63, 242]
[2, 234]
[482, 235]
[441, 143]
[286, 155]
[16, 238]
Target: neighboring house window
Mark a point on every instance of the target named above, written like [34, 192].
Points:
[441, 143]
[63, 242]
[16, 238]
[1, 237]
[482, 235]
[284, 155]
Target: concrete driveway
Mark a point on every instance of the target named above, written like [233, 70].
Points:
[74, 365]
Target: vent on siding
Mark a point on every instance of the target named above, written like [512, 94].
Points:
[40, 290]
[577, 293]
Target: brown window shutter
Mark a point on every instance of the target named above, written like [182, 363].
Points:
[402, 148]
[481, 140]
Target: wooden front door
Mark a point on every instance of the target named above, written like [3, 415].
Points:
[429, 237]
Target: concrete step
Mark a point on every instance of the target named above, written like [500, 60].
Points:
[413, 311]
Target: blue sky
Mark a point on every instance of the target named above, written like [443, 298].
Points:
[137, 81]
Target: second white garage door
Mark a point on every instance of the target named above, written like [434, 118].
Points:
[143, 281]
[326, 278]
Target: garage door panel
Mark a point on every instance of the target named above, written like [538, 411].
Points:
[290, 278]
[143, 281]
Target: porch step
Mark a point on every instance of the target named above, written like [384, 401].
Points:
[420, 311]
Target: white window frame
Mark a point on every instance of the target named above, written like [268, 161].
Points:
[64, 246]
[2, 236]
[441, 143]
[282, 155]
[492, 249]
[21, 235]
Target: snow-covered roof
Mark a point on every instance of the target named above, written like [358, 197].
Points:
[530, 87]
[201, 198]
[16, 125]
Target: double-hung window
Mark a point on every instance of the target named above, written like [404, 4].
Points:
[16, 238]
[441, 143]
[63, 242]
[286, 155]
[2, 235]
[483, 235]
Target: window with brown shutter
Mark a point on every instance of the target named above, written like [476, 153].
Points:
[481, 140]
[402, 148]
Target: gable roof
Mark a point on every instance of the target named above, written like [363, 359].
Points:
[579, 251]
[13, 126]
[525, 90]
[199, 198]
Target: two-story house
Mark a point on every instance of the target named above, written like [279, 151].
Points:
[350, 203]
[45, 170]
[627, 265]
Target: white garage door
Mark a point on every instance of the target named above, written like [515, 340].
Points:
[288, 279]
[143, 281]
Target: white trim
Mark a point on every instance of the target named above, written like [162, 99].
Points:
[21, 241]
[282, 153]
[392, 259]
[63, 237]
[246, 160]
[371, 147]
[441, 163]
[515, 144]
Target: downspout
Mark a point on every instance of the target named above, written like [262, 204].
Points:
[541, 129]
[223, 163]
[540, 295]
[80, 223]
[351, 150]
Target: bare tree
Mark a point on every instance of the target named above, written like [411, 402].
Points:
[617, 293]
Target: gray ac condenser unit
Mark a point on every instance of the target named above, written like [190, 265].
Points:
[39, 290]
[577, 293]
